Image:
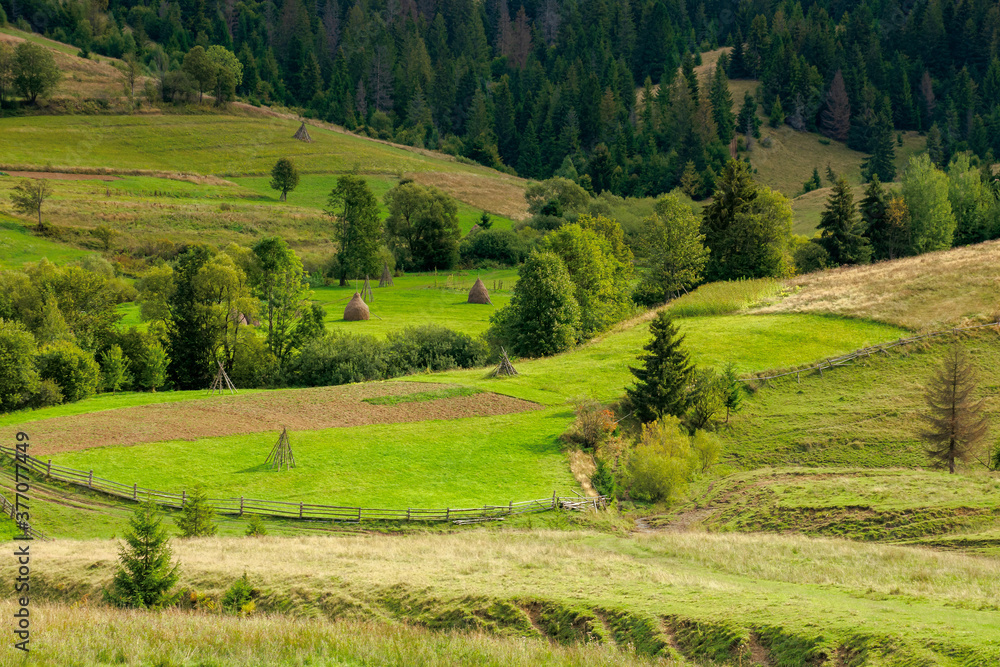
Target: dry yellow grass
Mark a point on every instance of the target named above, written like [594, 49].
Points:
[81, 77]
[931, 291]
[493, 193]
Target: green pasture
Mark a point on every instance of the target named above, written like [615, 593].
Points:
[202, 144]
[863, 415]
[313, 191]
[19, 246]
[419, 299]
[455, 463]
[599, 369]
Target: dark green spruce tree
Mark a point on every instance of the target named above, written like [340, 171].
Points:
[662, 380]
[842, 235]
[145, 574]
[722, 106]
[882, 161]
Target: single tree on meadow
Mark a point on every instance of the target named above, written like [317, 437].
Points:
[358, 228]
[145, 574]
[663, 377]
[842, 234]
[29, 195]
[284, 177]
[34, 70]
[196, 515]
[956, 423]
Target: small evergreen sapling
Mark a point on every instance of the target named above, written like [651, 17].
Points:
[196, 517]
[145, 574]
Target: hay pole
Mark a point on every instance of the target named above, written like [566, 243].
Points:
[281, 453]
[222, 382]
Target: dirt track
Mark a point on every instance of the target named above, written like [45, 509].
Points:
[215, 416]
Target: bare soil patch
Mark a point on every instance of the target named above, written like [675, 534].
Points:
[62, 176]
[296, 409]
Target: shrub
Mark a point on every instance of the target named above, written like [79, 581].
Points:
[500, 246]
[603, 480]
[706, 447]
[809, 257]
[594, 423]
[48, 394]
[256, 527]
[255, 365]
[662, 462]
[338, 358]
[432, 347]
[73, 369]
[239, 598]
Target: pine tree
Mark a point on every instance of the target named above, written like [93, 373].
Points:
[777, 116]
[196, 515]
[529, 159]
[873, 209]
[662, 380]
[737, 61]
[841, 234]
[722, 106]
[956, 423]
[835, 120]
[882, 162]
[145, 575]
[747, 122]
[115, 369]
[935, 148]
[813, 183]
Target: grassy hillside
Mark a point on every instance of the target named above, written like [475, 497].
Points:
[930, 291]
[18, 245]
[717, 599]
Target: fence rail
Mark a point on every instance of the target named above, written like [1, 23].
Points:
[845, 359]
[301, 510]
[10, 509]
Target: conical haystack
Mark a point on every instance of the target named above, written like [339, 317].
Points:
[303, 134]
[478, 293]
[505, 368]
[356, 309]
[386, 279]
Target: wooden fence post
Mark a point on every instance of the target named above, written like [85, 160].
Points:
[183, 498]
[90, 479]
[48, 472]
[407, 513]
[553, 500]
[135, 492]
[359, 514]
[447, 514]
[510, 508]
[241, 505]
[301, 505]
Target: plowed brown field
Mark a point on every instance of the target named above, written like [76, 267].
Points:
[297, 409]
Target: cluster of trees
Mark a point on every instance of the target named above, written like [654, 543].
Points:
[28, 70]
[936, 209]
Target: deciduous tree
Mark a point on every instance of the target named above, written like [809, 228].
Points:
[29, 195]
[422, 227]
[358, 229]
[672, 241]
[284, 177]
[925, 189]
[35, 72]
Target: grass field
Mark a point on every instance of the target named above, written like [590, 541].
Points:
[711, 598]
[438, 463]
[931, 291]
[863, 415]
[19, 246]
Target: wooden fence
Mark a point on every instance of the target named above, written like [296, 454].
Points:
[845, 359]
[291, 510]
[10, 510]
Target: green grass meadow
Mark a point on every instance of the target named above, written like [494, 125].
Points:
[19, 246]
[456, 463]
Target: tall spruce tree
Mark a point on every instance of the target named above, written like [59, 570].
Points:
[145, 574]
[748, 123]
[722, 105]
[842, 236]
[874, 208]
[662, 380]
[882, 161]
[358, 228]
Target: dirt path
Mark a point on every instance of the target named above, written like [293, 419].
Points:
[297, 409]
[61, 176]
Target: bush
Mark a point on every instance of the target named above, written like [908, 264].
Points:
[73, 369]
[48, 394]
[594, 423]
[809, 257]
[501, 246]
[432, 347]
[603, 480]
[255, 365]
[239, 598]
[256, 527]
[338, 358]
[196, 515]
[662, 463]
[18, 376]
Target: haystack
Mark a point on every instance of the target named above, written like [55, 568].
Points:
[386, 279]
[505, 368]
[478, 293]
[303, 134]
[356, 309]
